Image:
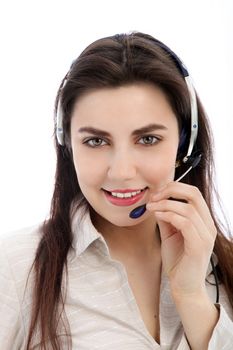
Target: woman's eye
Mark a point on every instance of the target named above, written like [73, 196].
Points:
[149, 140]
[95, 142]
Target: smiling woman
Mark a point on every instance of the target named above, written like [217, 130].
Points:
[128, 123]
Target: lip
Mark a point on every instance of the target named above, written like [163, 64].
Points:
[124, 201]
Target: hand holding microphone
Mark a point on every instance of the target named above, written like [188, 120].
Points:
[187, 234]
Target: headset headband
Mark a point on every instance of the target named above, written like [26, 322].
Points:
[192, 97]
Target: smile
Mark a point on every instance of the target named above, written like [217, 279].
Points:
[124, 197]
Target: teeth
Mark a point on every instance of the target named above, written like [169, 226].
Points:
[125, 195]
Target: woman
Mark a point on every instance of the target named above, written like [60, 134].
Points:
[133, 255]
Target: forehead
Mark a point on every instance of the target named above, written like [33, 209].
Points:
[134, 104]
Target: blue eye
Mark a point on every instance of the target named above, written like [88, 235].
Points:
[149, 140]
[95, 142]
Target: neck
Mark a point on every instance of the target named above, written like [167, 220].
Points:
[140, 241]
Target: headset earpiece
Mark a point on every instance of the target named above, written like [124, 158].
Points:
[182, 142]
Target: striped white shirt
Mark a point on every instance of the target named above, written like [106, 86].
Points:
[100, 305]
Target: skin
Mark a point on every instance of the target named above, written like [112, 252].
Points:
[123, 161]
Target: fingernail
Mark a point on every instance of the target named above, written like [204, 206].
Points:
[148, 206]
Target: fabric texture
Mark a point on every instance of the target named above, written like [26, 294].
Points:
[100, 305]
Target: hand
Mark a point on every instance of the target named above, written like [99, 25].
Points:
[187, 236]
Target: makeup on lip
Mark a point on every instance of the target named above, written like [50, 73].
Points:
[124, 201]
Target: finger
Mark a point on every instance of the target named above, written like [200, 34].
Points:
[186, 210]
[189, 194]
[193, 241]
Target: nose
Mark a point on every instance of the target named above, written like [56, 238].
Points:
[122, 166]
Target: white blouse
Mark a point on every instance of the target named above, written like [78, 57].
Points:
[100, 305]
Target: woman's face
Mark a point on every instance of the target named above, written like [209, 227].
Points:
[123, 139]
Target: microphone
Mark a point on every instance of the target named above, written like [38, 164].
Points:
[139, 211]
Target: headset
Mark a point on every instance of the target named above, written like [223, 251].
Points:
[189, 159]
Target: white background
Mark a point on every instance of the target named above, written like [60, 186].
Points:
[39, 40]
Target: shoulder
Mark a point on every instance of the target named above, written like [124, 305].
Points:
[20, 244]
[17, 252]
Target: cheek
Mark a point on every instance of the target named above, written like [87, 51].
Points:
[88, 169]
[160, 176]
[160, 170]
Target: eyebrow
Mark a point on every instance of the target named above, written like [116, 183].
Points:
[144, 129]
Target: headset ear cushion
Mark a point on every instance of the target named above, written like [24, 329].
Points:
[182, 143]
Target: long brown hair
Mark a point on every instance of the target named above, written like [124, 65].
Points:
[112, 62]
